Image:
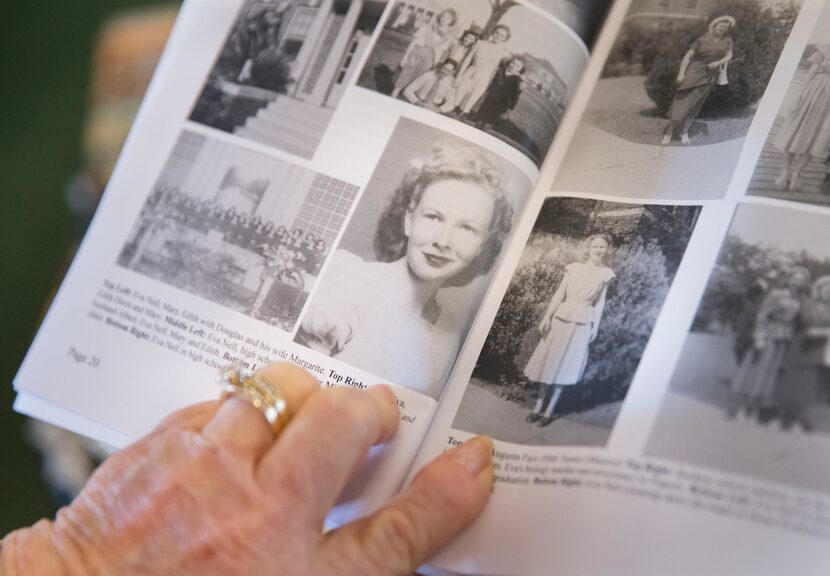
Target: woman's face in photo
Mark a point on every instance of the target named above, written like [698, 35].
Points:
[499, 35]
[597, 250]
[798, 281]
[514, 67]
[721, 28]
[446, 19]
[447, 229]
[469, 39]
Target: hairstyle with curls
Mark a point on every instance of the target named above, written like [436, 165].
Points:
[450, 11]
[446, 161]
[504, 27]
[600, 235]
[518, 59]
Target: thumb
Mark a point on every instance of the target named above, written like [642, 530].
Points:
[443, 499]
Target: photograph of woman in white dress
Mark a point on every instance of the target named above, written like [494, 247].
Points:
[795, 161]
[400, 312]
[805, 134]
[574, 321]
[568, 327]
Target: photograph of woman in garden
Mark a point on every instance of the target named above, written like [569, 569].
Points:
[444, 220]
[573, 324]
[669, 115]
[429, 43]
[750, 392]
[568, 327]
[704, 65]
[794, 161]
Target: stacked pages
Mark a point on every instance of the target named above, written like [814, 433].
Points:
[597, 232]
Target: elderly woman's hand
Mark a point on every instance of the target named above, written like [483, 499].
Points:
[210, 492]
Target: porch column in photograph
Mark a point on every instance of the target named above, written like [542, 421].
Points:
[315, 87]
[307, 53]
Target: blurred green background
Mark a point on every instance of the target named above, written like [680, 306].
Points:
[45, 57]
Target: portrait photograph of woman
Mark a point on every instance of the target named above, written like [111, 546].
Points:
[750, 393]
[573, 324]
[669, 115]
[498, 65]
[400, 290]
[796, 156]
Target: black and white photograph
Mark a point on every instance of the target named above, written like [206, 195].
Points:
[573, 324]
[585, 17]
[494, 64]
[400, 291]
[238, 228]
[795, 160]
[750, 393]
[669, 115]
[284, 68]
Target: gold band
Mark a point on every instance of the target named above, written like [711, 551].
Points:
[240, 382]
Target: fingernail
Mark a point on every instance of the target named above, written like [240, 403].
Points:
[475, 455]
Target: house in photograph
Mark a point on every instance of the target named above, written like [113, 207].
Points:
[320, 42]
[662, 11]
[543, 79]
[408, 15]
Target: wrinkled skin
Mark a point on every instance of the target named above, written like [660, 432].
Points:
[210, 492]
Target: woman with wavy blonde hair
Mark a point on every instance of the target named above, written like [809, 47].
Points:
[443, 226]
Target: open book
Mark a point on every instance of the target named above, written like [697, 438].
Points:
[598, 232]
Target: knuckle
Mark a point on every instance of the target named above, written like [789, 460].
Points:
[293, 373]
[350, 406]
[394, 541]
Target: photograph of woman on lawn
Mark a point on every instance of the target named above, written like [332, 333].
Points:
[568, 327]
[441, 209]
[512, 68]
[702, 67]
[679, 91]
[571, 328]
[794, 161]
[750, 393]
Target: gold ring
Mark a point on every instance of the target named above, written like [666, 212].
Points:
[263, 395]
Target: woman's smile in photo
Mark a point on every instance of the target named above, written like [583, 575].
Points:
[447, 228]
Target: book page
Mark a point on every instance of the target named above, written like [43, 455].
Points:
[330, 184]
[652, 361]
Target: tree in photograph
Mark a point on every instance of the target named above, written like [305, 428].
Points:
[499, 9]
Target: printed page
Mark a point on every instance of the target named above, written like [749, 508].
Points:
[325, 183]
[652, 362]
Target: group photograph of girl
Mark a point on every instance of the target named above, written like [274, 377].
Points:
[238, 228]
[400, 291]
[498, 65]
[751, 390]
[679, 91]
[795, 160]
[573, 324]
